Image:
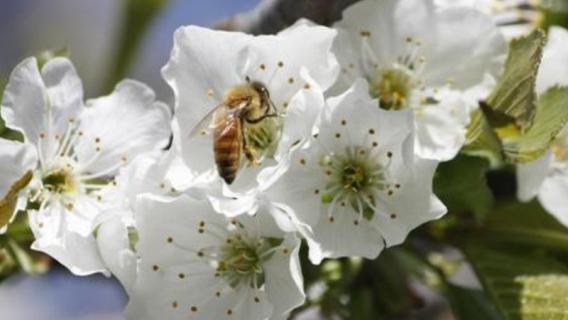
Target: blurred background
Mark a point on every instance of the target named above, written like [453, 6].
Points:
[95, 32]
[107, 40]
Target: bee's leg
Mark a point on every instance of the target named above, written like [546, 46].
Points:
[249, 152]
[259, 119]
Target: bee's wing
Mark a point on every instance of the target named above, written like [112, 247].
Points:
[210, 120]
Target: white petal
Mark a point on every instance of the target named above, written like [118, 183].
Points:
[114, 249]
[346, 49]
[530, 176]
[553, 69]
[300, 119]
[344, 237]
[552, 196]
[43, 103]
[203, 64]
[390, 22]
[120, 126]
[284, 280]
[76, 252]
[64, 89]
[441, 128]
[412, 205]
[24, 105]
[358, 120]
[274, 60]
[297, 192]
[480, 48]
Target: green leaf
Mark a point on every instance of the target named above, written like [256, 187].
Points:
[555, 12]
[511, 124]
[551, 116]
[8, 202]
[361, 305]
[462, 186]
[482, 141]
[469, 304]
[524, 224]
[514, 97]
[523, 287]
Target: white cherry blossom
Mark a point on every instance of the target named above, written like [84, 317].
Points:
[418, 56]
[358, 186]
[199, 264]
[78, 149]
[295, 66]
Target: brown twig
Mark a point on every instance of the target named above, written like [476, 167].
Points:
[271, 16]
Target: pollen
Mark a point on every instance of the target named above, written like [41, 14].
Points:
[210, 92]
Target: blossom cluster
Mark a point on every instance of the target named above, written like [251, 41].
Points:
[331, 135]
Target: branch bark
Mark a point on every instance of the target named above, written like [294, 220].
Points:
[271, 16]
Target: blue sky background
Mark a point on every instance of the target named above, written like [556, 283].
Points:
[88, 29]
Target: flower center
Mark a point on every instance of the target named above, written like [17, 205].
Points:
[242, 257]
[392, 87]
[60, 181]
[355, 178]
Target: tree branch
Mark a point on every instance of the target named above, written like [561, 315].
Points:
[271, 16]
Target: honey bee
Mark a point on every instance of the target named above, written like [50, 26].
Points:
[241, 124]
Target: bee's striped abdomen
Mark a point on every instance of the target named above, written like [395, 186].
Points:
[227, 146]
